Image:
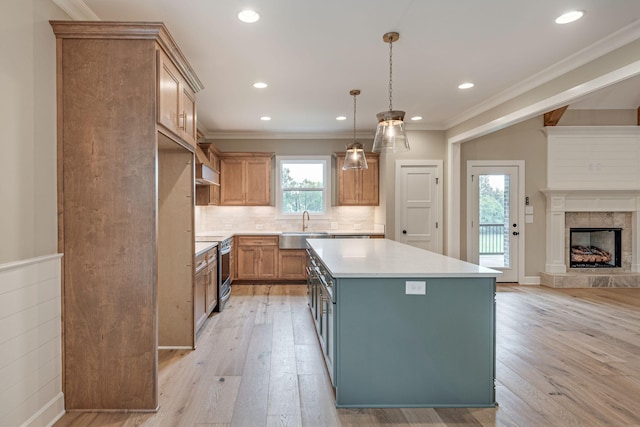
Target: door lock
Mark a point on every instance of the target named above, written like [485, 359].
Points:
[515, 233]
[404, 231]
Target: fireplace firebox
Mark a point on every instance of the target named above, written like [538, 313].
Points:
[595, 248]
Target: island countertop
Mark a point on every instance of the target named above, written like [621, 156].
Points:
[387, 258]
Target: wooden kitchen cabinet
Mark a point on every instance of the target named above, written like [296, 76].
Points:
[211, 291]
[245, 179]
[176, 101]
[206, 286]
[257, 257]
[292, 264]
[201, 279]
[125, 210]
[358, 187]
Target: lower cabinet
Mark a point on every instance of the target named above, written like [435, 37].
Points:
[257, 257]
[292, 264]
[205, 296]
[211, 291]
[199, 295]
[323, 312]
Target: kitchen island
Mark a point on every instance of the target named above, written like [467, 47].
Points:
[403, 327]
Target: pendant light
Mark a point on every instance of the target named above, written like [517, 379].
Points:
[390, 134]
[354, 157]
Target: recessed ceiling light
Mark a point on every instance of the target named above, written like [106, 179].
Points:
[260, 85]
[571, 16]
[249, 16]
[265, 118]
[341, 118]
[416, 118]
[467, 85]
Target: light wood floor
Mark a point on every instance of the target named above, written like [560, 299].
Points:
[564, 358]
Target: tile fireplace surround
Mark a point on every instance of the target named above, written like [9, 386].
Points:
[592, 181]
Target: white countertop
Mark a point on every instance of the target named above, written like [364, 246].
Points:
[387, 258]
[216, 236]
[204, 246]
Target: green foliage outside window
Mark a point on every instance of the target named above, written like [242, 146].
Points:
[491, 203]
[300, 196]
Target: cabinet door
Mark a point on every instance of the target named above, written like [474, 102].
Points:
[169, 88]
[369, 183]
[212, 282]
[199, 304]
[187, 118]
[268, 263]
[257, 181]
[247, 262]
[292, 264]
[231, 182]
[347, 184]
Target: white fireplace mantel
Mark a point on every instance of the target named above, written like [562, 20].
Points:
[560, 201]
[590, 169]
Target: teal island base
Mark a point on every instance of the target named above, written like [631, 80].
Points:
[394, 349]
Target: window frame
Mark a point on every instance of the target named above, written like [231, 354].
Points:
[326, 190]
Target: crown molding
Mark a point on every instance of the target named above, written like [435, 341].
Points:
[286, 135]
[77, 10]
[606, 45]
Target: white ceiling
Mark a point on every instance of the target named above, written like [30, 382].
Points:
[313, 52]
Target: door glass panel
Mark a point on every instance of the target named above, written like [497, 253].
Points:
[494, 221]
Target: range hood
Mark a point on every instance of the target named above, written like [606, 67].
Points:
[205, 174]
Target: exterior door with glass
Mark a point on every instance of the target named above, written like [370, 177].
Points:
[493, 217]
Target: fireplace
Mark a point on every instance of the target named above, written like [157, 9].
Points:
[595, 248]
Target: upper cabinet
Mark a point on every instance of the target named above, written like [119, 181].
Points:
[245, 179]
[176, 101]
[358, 187]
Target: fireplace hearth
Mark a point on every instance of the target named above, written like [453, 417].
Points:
[595, 248]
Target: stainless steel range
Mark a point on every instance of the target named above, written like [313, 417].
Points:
[224, 271]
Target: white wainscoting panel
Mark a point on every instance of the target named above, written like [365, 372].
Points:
[30, 343]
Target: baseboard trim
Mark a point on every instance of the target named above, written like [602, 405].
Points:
[530, 280]
[58, 400]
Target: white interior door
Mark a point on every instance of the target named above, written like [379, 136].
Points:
[493, 217]
[419, 204]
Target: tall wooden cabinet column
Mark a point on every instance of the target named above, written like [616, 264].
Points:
[125, 211]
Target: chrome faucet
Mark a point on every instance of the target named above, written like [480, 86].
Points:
[304, 227]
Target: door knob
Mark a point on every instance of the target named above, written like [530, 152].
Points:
[515, 233]
[404, 231]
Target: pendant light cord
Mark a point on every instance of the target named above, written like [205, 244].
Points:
[354, 116]
[390, 74]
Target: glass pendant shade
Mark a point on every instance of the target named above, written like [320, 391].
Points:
[390, 133]
[354, 157]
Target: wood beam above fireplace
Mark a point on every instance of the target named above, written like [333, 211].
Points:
[551, 118]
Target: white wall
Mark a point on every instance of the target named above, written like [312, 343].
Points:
[28, 222]
[30, 342]
[30, 323]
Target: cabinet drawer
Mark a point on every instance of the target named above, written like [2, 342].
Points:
[257, 240]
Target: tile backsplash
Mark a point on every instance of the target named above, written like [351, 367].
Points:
[265, 218]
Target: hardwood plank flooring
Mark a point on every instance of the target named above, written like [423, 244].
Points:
[565, 357]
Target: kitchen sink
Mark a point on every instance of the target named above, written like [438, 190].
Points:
[298, 239]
